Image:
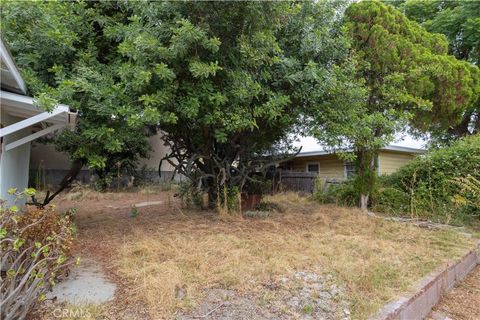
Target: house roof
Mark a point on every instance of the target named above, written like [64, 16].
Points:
[11, 80]
[15, 103]
[389, 148]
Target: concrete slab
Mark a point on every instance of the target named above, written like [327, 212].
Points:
[86, 284]
[147, 203]
[138, 205]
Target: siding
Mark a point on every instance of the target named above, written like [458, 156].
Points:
[391, 161]
[330, 166]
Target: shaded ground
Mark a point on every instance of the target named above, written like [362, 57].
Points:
[170, 262]
[463, 302]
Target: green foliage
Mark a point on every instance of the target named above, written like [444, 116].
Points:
[390, 200]
[399, 76]
[229, 199]
[469, 192]
[36, 246]
[66, 54]
[133, 212]
[190, 195]
[459, 21]
[430, 184]
[226, 81]
[234, 76]
[344, 193]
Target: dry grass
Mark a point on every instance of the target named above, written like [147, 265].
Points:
[159, 254]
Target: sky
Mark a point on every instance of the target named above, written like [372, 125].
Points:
[310, 144]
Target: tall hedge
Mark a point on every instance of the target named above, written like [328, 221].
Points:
[425, 186]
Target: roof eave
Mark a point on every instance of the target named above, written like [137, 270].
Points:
[12, 68]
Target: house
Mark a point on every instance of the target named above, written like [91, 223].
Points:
[48, 166]
[329, 166]
[21, 122]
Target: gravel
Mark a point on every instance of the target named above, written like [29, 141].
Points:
[300, 295]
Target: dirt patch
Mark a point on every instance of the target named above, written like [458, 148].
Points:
[463, 302]
[302, 295]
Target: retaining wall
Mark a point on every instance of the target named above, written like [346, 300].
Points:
[429, 290]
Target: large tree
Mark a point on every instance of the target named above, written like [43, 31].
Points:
[401, 76]
[459, 21]
[65, 55]
[237, 76]
[225, 81]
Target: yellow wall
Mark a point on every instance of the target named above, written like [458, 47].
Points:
[330, 166]
[391, 161]
[334, 168]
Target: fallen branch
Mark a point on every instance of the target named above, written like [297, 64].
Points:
[210, 312]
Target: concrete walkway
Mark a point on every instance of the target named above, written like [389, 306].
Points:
[86, 284]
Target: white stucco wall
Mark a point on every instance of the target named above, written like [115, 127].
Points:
[159, 150]
[14, 164]
[49, 159]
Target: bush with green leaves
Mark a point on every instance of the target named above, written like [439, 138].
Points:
[390, 200]
[426, 186]
[36, 250]
[344, 193]
[190, 195]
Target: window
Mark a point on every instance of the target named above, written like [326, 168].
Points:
[350, 169]
[313, 167]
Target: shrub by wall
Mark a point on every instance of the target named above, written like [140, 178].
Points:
[426, 186]
[35, 250]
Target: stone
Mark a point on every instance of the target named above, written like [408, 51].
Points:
[86, 284]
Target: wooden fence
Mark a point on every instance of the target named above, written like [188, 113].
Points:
[299, 181]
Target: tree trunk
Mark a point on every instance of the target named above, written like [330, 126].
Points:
[75, 168]
[366, 174]
[364, 202]
[462, 128]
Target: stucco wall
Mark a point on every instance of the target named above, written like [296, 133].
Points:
[391, 161]
[159, 150]
[45, 156]
[330, 165]
[48, 158]
[14, 163]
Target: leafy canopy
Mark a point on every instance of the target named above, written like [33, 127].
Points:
[459, 21]
[400, 76]
[224, 81]
[236, 77]
[65, 54]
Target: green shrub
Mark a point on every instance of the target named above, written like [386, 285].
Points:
[189, 194]
[269, 206]
[469, 193]
[344, 193]
[390, 200]
[228, 199]
[426, 184]
[35, 246]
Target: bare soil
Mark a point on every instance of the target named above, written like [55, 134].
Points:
[463, 302]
